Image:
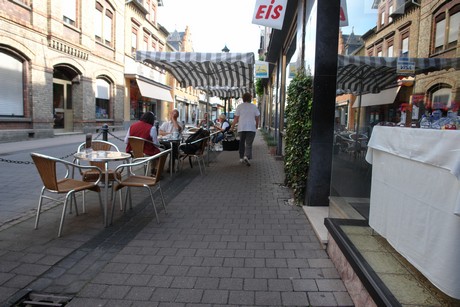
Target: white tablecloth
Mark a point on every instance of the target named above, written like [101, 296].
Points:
[415, 199]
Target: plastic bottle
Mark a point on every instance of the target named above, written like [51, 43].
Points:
[425, 122]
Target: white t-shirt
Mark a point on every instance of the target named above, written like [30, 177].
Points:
[247, 113]
[168, 127]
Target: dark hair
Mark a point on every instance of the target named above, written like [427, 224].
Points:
[247, 97]
[148, 117]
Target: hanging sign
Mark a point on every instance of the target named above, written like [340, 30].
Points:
[405, 68]
[270, 13]
[343, 14]
[292, 70]
[261, 69]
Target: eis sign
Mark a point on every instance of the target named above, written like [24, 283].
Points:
[270, 13]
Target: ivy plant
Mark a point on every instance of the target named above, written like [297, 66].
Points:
[298, 134]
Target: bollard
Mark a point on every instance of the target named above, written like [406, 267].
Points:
[105, 132]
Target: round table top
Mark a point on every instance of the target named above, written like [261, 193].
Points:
[102, 156]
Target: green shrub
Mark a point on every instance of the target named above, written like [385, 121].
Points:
[298, 133]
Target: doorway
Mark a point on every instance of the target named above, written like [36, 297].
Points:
[62, 106]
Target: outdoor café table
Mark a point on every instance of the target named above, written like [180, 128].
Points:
[415, 199]
[106, 157]
[173, 143]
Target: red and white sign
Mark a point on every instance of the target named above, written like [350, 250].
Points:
[270, 13]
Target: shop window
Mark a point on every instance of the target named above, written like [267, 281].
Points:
[69, 12]
[446, 29]
[102, 99]
[104, 23]
[11, 85]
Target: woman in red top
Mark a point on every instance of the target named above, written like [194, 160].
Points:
[144, 128]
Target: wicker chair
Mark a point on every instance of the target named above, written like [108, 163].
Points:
[137, 148]
[142, 181]
[47, 168]
[91, 175]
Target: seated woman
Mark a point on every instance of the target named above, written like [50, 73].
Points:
[222, 129]
[144, 128]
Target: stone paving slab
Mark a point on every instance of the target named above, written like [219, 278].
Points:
[230, 238]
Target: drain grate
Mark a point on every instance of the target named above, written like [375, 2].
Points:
[38, 299]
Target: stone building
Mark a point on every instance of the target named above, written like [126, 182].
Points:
[62, 67]
[69, 67]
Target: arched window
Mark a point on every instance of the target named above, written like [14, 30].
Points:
[441, 97]
[11, 85]
[103, 91]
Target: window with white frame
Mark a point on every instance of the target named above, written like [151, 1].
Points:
[104, 23]
[446, 28]
[133, 40]
[69, 12]
[11, 85]
[440, 99]
[102, 98]
[405, 46]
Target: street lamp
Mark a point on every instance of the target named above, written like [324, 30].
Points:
[225, 49]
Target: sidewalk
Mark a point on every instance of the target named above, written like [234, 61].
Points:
[229, 238]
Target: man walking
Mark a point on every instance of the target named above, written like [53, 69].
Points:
[247, 118]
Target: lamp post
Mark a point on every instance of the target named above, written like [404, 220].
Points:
[226, 50]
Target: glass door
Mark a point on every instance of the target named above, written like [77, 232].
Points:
[62, 105]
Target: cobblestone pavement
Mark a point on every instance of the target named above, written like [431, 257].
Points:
[229, 238]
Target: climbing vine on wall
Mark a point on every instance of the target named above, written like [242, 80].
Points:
[298, 130]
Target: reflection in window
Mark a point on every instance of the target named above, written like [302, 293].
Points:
[440, 99]
[446, 27]
[102, 99]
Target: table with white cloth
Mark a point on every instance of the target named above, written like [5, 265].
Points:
[106, 157]
[415, 199]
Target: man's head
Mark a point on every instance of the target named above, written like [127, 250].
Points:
[174, 114]
[247, 97]
[205, 115]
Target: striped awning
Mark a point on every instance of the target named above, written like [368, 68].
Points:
[227, 91]
[361, 74]
[204, 69]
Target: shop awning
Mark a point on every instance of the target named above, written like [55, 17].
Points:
[363, 74]
[153, 91]
[384, 97]
[204, 69]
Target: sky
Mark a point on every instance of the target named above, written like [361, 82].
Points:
[216, 23]
[213, 23]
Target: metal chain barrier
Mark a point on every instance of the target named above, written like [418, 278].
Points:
[62, 158]
[122, 140]
[30, 162]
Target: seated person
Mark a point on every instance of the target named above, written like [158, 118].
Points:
[206, 123]
[145, 129]
[170, 129]
[222, 129]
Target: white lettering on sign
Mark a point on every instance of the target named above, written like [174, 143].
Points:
[270, 13]
[405, 68]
